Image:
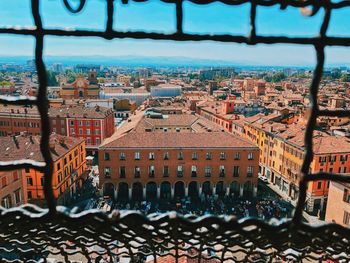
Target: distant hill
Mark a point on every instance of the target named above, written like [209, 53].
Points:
[144, 61]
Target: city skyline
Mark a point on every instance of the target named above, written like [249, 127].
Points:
[159, 17]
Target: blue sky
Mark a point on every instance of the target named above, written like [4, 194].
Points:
[159, 17]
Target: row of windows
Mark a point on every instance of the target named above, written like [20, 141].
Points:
[86, 123]
[294, 152]
[332, 158]
[4, 123]
[67, 171]
[208, 170]
[63, 130]
[87, 131]
[6, 202]
[4, 179]
[26, 124]
[54, 122]
[331, 170]
[70, 158]
[151, 156]
[62, 188]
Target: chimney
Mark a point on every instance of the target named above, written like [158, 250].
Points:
[15, 141]
[52, 145]
[271, 128]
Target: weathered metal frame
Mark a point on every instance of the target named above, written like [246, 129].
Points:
[43, 229]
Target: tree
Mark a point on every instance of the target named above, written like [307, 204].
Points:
[278, 77]
[268, 78]
[51, 78]
[71, 76]
[345, 78]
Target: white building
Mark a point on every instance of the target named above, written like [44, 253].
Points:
[166, 90]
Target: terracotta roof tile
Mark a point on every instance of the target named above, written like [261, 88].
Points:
[80, 111]
[179, 140]
[28, 147]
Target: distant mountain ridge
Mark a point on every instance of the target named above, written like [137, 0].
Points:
[145, 61]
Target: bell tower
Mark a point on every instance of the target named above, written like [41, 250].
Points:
[92, 77]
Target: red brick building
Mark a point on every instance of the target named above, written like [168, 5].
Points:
[178, 155]
[93, 124]
[17, 119]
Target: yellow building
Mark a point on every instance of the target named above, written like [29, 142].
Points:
[68, 154]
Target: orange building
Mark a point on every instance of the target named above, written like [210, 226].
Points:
[176, 156]
[219, 112]
[282, 153]
[331, 154]
[13, 188]
[339, 198]
[68, 154]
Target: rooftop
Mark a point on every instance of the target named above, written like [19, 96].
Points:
[97, 112]
[28, 147]
[179, 140]
[141, 132]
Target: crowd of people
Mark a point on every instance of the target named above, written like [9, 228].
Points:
[263, 207]
[266, 205]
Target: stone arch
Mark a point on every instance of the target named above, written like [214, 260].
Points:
[123, 191]
[220, 188]
[193, 189]
[137, 191]
[248, 189]
[151, 191]
[206, 188]
[165, 190]
[179, 189]
[108, 190]
[234, 188]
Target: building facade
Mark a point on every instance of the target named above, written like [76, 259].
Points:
[339, 198]
[68, 155]
[92, 124]
[18, 119]
[81, 88]
[282, 152]
[13, 189]
[159, 160]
